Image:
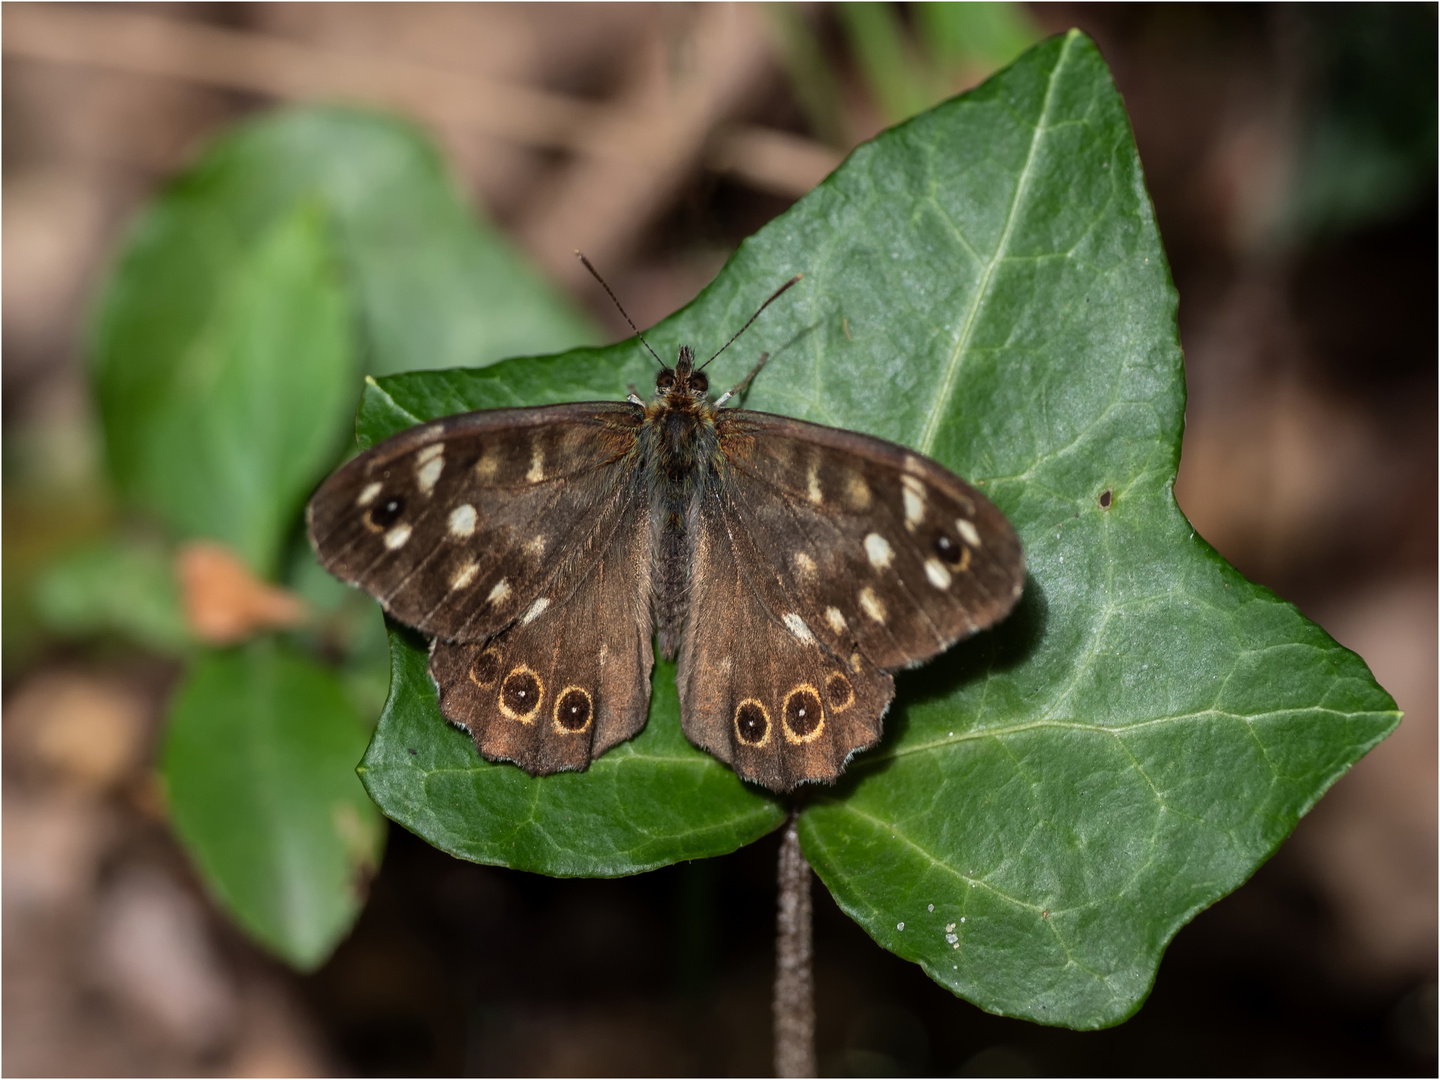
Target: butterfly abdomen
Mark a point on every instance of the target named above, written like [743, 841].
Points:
[680, 433]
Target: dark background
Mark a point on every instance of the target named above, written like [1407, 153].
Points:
[1290, 152]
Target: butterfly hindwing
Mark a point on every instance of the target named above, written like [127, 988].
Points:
[564, 684]
[756, 688]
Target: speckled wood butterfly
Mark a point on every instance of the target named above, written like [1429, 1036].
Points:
[791, 567]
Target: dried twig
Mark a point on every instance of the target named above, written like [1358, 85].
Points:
[794, 961]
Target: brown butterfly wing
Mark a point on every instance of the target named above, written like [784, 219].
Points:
[756, 690]
[511, 536]
[457, 527]
[560, 687]
[879, 547]
[823, 551]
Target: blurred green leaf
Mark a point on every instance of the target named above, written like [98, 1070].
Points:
[259, 762]
[226, 346]
[897, 78]
[222, 390]
[120, 586]
[984, 283]
[977, 33]
[434, 285]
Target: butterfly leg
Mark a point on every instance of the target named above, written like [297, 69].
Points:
[740, 387]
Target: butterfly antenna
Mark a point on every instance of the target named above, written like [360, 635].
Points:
[596, 275]
[773, 297]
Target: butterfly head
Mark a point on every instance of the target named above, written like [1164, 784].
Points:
[682, 379]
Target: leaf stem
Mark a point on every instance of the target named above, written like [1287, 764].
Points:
[794, 970]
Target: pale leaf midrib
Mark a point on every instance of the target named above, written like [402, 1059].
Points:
[982, 288]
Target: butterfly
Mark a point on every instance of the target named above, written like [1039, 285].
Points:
[790, 567]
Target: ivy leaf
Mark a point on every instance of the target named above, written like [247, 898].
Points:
[303, 248]
[1055, 798]
[222, 399]
[258, 762]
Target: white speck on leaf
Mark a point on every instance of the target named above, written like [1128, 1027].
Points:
[899, 926]
[929, 907]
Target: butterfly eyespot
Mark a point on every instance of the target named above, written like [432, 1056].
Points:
[949, 550]
[752, 723]
[385, 512]
[700, 382]
[665, 380]
[804, 715]
[839, 691]
[573, 709]
[485, 668]
[520, 694]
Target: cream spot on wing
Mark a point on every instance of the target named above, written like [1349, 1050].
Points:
[604, 652]
[367, 495]
[462, 521]
[727, 665]
[871, 605]
[879, 551]
[938, 575]
[804, 565]
[429, 464]
[911, 464]
[396, 537]
[812, 483]
[857, 491]
[429, 473]
[968, 531]
[534, 611]
[913, 496]
[487, 466]
[536, 472]
[534, 547]
[464, 575]
[796, 626]
[835, 619]
[500, 593]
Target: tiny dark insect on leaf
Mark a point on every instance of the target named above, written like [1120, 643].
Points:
[791, 568]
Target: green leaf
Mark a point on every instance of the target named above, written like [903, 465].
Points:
[975, 32]
[300, 248]
[986, 284]
[118, 585]
[222, 387]
[259, 762]
[649, 802]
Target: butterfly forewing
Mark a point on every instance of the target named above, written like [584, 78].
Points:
[875, 546]
[457, 527]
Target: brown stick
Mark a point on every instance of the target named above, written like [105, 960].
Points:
[794, 961]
